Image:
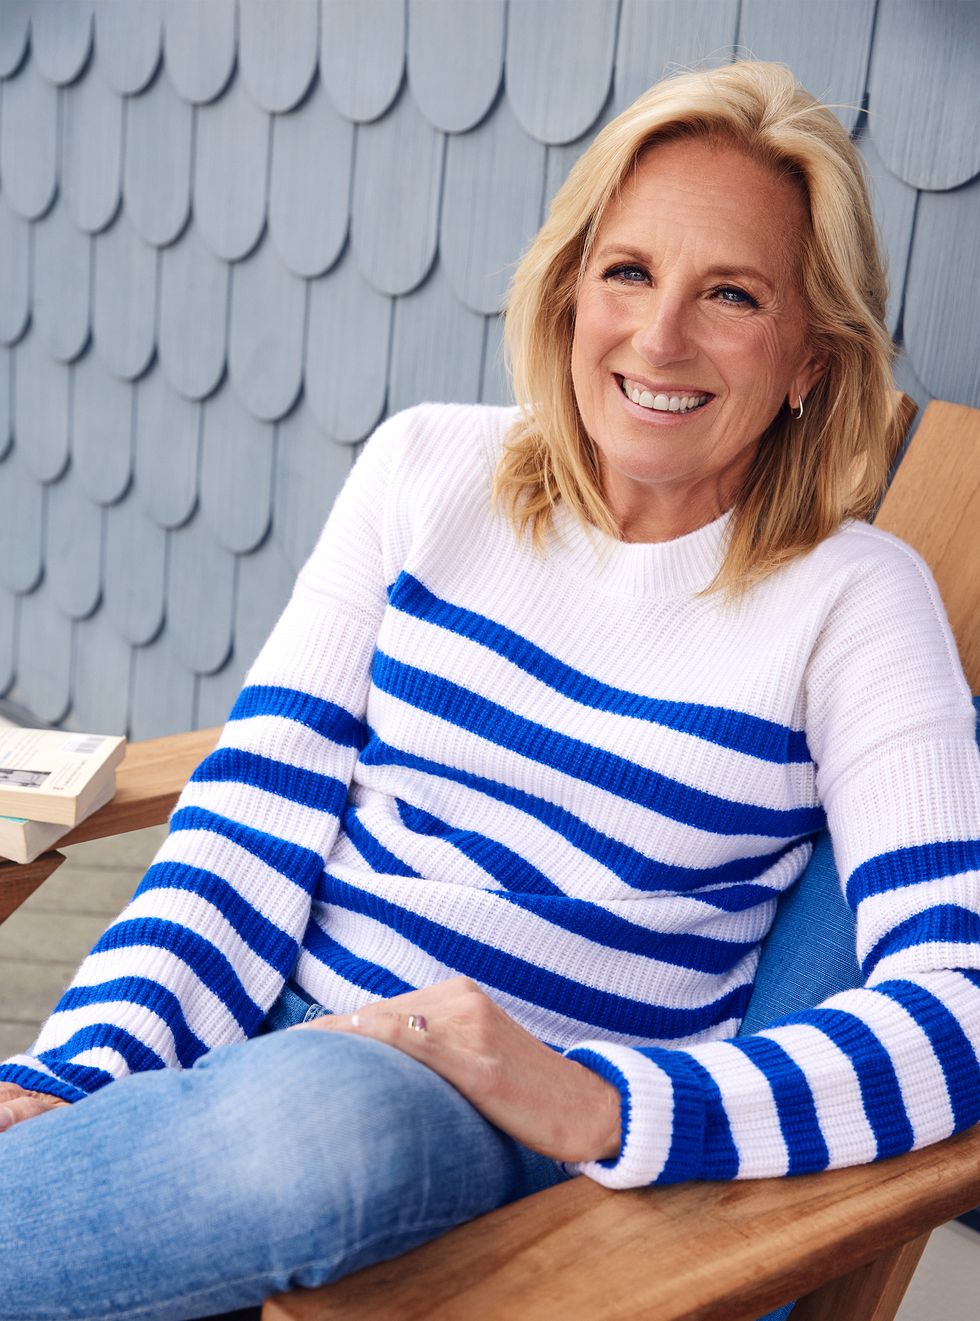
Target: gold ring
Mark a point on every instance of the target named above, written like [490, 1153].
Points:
[417, 1023]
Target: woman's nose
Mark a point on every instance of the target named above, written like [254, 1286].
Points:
[664, 333]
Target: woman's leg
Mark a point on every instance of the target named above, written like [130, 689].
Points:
[288, 1160]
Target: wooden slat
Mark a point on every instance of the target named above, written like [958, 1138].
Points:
[18, 882]
[934, 505]
[871, 1293]
[691, 1252]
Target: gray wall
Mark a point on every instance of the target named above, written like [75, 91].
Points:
[234, 236]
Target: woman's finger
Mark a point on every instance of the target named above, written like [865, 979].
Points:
[14, 1110]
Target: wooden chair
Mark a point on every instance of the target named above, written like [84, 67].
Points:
[845, 1243]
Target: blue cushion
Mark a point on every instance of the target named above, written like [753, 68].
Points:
[809, 952]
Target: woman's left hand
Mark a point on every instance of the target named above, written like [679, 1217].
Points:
[551, 1104]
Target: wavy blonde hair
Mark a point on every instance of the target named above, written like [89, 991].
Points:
[807, 476]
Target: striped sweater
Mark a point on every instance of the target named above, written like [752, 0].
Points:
[581, 781]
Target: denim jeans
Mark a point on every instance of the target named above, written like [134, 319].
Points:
[291, 1159]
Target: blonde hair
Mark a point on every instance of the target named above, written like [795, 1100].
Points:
[807, 476]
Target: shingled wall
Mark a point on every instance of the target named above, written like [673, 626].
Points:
[233, 237]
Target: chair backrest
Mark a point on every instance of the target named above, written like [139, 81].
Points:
[934, 505]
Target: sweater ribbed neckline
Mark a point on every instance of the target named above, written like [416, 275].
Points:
[651, 570]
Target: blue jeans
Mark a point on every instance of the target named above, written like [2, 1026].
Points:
[291, 1159]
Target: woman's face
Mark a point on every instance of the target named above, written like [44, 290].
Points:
[690, 332]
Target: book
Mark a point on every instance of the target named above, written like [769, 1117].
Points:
[51, 776]
[23, 841]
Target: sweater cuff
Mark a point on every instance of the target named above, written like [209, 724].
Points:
[663, 1116]
[23, 1071]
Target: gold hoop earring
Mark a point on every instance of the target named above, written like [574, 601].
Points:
[799, 414]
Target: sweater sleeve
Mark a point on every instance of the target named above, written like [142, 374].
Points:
[892, 1065]
[201, 952]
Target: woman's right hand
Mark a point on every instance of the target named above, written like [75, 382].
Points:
[19, 1103]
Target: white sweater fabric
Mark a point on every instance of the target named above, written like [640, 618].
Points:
[584, 782]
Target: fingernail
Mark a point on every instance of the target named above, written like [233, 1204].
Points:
[6, 1118]
[355, 1020]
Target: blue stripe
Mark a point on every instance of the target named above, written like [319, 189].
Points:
[326, 718]
[530, 889]
[205, 959]
[953, 1048]
[526, 981]
[371, 977]
[685, 1160]
[749, 734]
[139, 1058]
[275, 946]
[151, 995]
[795, 1107]
[292, 860]
[374, 853]
[911, 866]
[632, 867]
[571, 756]
[943, 923]
[325, 793]
[83, 1076]
[880, 1089]
[35, 1080]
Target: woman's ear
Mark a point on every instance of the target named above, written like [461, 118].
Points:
[805, 379]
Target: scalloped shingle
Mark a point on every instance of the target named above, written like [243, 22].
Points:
[215, 694]
[193, 315]
[310, 467]
[135, 568]
[124, 299]
[163, 691]
[6, 382]
[230, 172]
[277, 47]
[653, 38]
[13, 35]
[157, 170]
[73, 549]
[491, 208]
[265, 580]
[942, 310]
[347, 351]
[100, 677]
[494, 382]
[829, 57]
[236, 473]
[437, 347]
[395, 206]
[928, 139]
[559, 64]
[894, 206]
[102, 430]
[21, 522]
[199, 45]
[455, 92]
[128, 42]
[61, 38]
[40, 409]
[43, 658]
[8, 636]
[168, 430]
[362, 55]
[62, 270]
[265, 338]
[14, 274]
[91, 167]
[309, 185]
[29, 142]
[200, 596]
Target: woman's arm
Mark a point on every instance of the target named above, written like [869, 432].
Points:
[200, 953]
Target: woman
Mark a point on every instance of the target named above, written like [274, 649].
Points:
[503, 810]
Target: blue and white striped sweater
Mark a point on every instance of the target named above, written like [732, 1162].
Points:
[578, 780]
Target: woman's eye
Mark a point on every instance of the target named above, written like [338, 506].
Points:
[626, 274]
[735, 296]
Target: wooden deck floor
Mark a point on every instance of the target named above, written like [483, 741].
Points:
[43, 942]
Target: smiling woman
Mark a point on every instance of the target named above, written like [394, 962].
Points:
[502, 814]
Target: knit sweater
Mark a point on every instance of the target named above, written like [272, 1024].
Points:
[584, 782]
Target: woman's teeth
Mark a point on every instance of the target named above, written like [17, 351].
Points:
[662, 403]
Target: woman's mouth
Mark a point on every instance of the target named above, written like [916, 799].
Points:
[660, 402]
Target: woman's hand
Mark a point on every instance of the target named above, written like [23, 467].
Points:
[19, 1103]
[551, 1104]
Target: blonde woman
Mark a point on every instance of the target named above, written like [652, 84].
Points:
[503, 811]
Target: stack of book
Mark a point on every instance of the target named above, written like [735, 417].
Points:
[49, 782]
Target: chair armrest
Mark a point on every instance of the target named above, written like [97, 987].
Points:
[710, 1251]
[148, 782]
